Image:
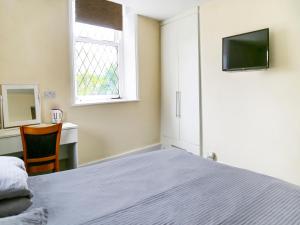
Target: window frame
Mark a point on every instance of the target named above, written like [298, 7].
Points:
[123, 85]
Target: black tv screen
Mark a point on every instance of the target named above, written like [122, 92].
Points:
[246, 51]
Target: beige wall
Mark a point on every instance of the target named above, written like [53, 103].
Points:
[34, 47]
[252, 119]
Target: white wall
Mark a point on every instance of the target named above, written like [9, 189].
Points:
[34, 48]
[252, 119]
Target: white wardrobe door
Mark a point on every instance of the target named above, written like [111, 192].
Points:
[170, 122]
[189, 82]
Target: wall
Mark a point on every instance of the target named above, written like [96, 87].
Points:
[252, 119]
[34, 43]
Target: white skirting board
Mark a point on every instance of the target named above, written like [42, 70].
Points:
[148, 148]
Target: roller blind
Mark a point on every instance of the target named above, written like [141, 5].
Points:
[100, 13]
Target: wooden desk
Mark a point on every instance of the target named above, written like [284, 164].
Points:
[11, 144]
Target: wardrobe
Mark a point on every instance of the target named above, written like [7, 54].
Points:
[180, 56]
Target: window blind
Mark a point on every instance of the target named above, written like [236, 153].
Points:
[100, 13]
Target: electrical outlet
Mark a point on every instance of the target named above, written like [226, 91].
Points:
[212, 156]
[49, 94]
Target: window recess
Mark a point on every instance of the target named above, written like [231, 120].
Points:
[104, 52]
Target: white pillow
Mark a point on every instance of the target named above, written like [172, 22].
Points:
[13, 179]
[12, 161]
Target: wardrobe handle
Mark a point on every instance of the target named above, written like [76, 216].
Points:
[177, 103]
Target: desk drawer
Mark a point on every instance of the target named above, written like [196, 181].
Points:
[10, 145]
[69, 136]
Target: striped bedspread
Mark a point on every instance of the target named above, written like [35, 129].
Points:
[167, 187]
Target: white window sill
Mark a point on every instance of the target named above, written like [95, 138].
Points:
[106, 101]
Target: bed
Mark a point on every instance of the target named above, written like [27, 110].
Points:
[170, 187]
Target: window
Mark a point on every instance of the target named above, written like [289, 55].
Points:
[100, 49]
[97, 62]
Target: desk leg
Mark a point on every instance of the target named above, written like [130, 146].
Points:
[74, 156]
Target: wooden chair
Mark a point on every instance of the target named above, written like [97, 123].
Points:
[41, 148]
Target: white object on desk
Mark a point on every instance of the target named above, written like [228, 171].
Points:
[10, 143]
[56, 115]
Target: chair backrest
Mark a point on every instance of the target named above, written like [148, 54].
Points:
[41, 148]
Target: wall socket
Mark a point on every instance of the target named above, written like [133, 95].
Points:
[212, 156]
[50, 94]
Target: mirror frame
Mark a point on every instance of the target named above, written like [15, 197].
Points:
[6, 122]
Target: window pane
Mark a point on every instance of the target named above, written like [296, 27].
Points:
[96, 62]
[96, 69]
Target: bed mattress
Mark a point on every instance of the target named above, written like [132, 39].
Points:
[165, 187]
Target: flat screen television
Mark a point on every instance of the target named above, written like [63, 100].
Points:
[246, 51]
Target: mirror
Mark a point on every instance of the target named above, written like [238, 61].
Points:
[20, 105]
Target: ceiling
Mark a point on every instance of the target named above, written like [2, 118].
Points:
[159, 9]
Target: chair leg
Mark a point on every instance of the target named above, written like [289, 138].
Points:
[57, 165]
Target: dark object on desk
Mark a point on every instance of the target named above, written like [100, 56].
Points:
[41, 148]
